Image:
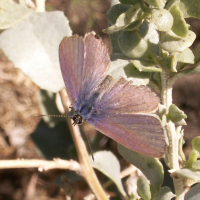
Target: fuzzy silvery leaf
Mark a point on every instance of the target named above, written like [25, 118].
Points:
[107, 163]
[179, 27]
[35, 49]
[12, 13]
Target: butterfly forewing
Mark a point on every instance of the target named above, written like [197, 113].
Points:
[123, 97]
[96, 63]
[71, 56]
[84, 63]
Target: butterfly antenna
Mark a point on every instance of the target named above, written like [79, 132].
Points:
[86, 135]
[53, 116]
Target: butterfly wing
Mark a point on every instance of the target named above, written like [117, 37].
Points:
[71, 56]
[118, 113]
[141, 133]
[120, 96]
[96, 63]
[84, 63]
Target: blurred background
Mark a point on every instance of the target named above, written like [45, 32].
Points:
[22, 135]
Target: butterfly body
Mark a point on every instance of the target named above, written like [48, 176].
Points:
[87, 108]
[115, 107]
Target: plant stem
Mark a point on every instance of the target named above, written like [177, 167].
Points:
[40, 5]
[173, 136]
[42, 165]
[83, 156]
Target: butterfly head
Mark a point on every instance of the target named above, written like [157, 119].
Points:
[77, 119]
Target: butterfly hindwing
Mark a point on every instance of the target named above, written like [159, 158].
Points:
[141, 133]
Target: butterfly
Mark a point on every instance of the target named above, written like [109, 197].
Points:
[115, 107]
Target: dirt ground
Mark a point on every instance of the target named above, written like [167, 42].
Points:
[19, 105]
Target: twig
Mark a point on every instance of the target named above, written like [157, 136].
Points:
[87, 169]
[40, 5]
[126, 172]
[30, 4]
[42, 165]
[129, 170]
[31, 187]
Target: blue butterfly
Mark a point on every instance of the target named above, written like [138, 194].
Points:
[116, 108]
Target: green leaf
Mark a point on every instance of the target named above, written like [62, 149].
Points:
[12, 13]
[148, 32]
[53, 142]
[143, 188]
[131, 2]
[187, 72]
[197, 53]
[150, 167]
[192, 158]
[181, 123]
[195, 153]
[46, 100]
[171, 3]
[107, 163]
[156, 3]
[196, 144]
[162, 19]
[126, 69]
[112, 15]
[188, 174]
[114, 42]
[133, 26]
[180, 66]
[115, 11]
[186, 56]
[156, 80]
[168, 63]
[164, 194]
[35, 49]
[133, 14]
[196, 165]
[193, 193]
[171, 42]
[176, 115]
[190, 71]
[172, 62]
[146, 66]
[162, 109]
[137, 77]
[179, 27]
[190, 8]
[132, 44]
